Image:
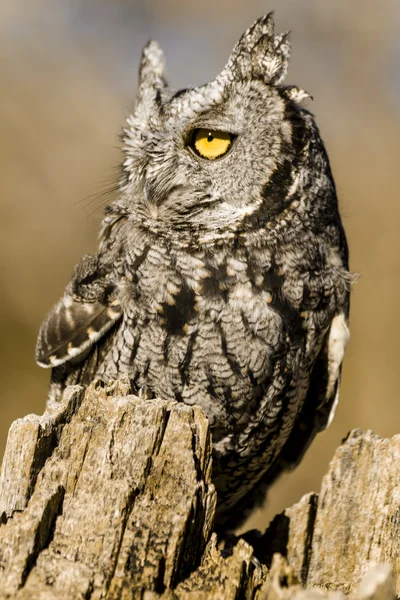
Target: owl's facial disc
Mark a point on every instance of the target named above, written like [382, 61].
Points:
[206, 158]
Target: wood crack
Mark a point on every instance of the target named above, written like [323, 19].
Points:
[45, 531]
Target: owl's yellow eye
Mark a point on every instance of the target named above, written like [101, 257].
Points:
[211, 144]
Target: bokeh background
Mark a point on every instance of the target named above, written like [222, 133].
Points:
[68, 72]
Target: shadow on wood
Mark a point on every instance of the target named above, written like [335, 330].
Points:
[110, 496]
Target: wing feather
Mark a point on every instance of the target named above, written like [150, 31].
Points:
[322, 397]
[72, 327]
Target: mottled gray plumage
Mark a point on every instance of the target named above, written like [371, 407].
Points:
[218, 282]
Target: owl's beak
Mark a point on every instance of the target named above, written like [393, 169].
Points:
[150, 200]
[156, 193]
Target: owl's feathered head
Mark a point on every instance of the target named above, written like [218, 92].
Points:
[259, 54]
[218, 158]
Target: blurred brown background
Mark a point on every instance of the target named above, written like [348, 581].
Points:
[68, 77]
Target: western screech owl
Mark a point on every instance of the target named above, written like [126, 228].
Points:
[222, 276]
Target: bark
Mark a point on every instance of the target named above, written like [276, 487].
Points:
[109, 496]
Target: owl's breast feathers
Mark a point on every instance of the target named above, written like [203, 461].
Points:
[252, 334]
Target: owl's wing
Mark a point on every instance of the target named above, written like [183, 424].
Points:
[88, 309]
[322, 396]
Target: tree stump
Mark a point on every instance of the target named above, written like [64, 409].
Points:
[108, 495]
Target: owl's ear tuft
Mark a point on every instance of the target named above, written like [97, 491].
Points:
[152, 67]
[270, 58]
[259, 54]
[281, 58]
[262, 28]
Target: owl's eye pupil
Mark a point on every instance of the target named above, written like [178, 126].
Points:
[209, 143]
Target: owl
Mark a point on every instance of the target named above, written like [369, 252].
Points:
[221, 278]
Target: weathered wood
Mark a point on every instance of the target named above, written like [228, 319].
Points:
[108, 495]
[364, 527]
[30, 442]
